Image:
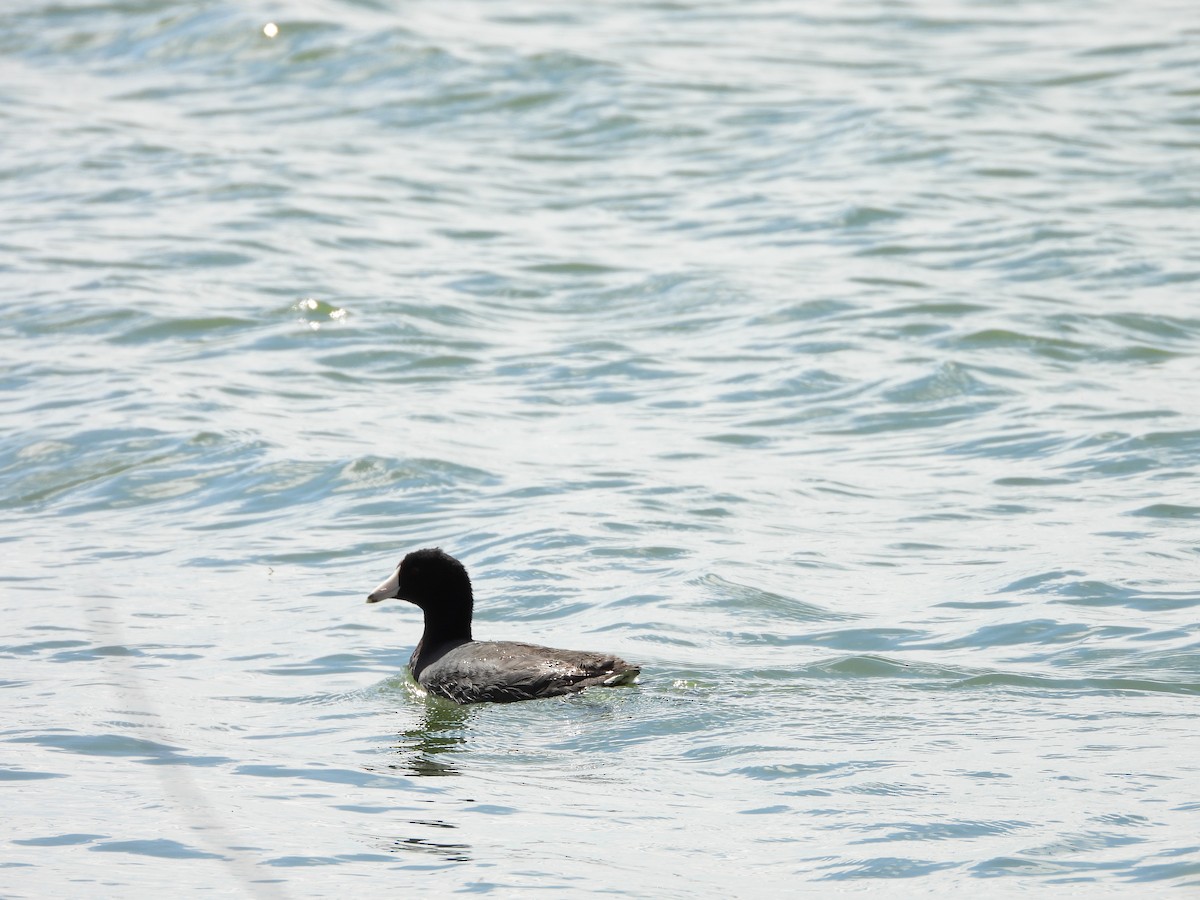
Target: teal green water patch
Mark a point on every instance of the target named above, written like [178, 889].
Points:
[157, 847]
[887, 868]
[195, 329]
[100, 744]
[8, 774]
[935, 677]
[869, 666]
[121, 746]
[1069, 587]
[1111, 686]
[951, 829]
[59, 840]
[856, 639]
[324, 666]
[1168, 511]
[368, 779]
[767, 604]
[798, 770]
[40, 646]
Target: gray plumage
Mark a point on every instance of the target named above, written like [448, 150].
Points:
[449, 663]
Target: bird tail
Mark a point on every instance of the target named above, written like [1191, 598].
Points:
[625, 676]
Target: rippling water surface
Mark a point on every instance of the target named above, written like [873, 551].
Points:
[838, 363]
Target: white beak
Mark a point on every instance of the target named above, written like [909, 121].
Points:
[388, 589]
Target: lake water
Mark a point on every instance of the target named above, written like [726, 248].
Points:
[839, 363]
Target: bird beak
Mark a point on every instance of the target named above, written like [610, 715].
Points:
[388, 589]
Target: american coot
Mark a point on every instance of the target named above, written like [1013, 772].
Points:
[448, 663]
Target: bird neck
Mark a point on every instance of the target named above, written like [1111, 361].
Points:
[442, 628]
[448, 620]
[441, 636]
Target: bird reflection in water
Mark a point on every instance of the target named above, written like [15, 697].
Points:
[441, 849]
[428, 749]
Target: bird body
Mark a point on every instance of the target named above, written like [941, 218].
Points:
[449, 663]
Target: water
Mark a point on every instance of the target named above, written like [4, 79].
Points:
[836, 364]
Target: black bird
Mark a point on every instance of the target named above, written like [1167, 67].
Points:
[449, 663]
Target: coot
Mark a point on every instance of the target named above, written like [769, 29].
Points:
[449, 663]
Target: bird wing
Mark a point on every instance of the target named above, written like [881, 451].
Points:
[507, 671]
